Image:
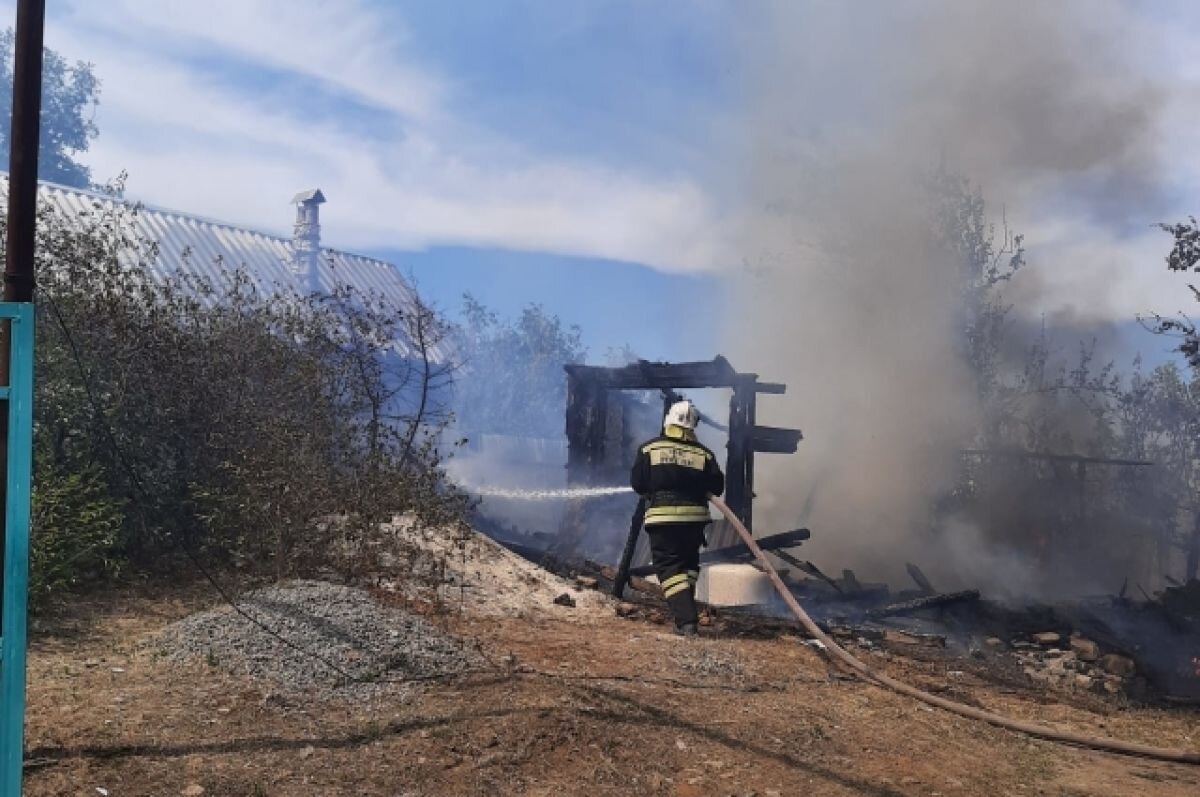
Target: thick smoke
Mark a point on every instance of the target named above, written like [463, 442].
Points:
[844, 296]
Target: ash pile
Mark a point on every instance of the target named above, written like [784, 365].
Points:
[380, 648]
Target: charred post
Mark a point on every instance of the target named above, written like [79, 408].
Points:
[1193, 553]
[587, 413]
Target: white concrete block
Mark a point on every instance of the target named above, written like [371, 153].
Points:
[733, 585]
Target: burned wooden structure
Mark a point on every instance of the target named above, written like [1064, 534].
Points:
[601, 445]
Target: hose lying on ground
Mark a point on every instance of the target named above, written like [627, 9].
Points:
[839, 654]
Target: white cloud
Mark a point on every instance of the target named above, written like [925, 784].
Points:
[349, 44]
[199, 144]
[1096, 275]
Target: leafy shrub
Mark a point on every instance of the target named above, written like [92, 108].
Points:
[76, 530]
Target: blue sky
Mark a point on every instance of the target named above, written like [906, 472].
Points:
[613, 303]
[525, 151]
[582, 154]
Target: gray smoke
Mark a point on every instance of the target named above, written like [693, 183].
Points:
[844, 298]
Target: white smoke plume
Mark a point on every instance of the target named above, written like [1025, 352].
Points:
[1045, 105]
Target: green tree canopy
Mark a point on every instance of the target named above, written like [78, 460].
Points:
[70, 94]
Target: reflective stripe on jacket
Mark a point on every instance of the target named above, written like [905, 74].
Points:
[676, 473]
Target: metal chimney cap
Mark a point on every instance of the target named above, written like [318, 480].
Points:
[311, 197]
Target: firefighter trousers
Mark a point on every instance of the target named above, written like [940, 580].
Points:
[675, 549]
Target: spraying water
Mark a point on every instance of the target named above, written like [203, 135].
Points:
[545, 495]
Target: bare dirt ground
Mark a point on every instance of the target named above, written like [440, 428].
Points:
[612, 707]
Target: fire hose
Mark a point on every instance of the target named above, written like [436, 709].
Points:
[840, 655]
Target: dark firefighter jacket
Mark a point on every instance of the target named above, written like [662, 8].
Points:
[675, 474]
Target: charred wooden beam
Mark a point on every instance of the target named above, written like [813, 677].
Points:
[887, 635]
[772, 440]
[735, 553]
[913, 638]
[917, 604]
[808, 568]
[850, 581]
[739, 473]
[787, 539]
[772, 388]
[1193, 552]
[748, 387]
[1041, 455]
[645, 375]
[919, 578]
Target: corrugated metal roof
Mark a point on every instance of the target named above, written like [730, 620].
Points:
[209, 249]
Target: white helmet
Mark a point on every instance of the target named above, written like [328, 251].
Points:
[682, 413]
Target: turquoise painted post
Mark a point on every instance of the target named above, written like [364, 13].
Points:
[19, 396]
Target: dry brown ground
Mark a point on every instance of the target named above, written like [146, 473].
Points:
[104, 713]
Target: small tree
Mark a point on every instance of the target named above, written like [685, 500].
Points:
[985, 259]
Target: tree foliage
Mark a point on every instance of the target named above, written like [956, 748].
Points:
[70, 94]
[983, 258]
[1026, 482]
[512, 379]
[1183, 256]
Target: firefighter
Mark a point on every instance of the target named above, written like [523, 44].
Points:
[675, 474]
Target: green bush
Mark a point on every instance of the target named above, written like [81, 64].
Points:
[76, 529]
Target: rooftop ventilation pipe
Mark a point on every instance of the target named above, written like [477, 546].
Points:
[306, 238]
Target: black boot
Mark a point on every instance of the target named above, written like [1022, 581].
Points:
[683, 608]
[687, 629]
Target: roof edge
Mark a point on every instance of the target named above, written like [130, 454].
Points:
[94, 194]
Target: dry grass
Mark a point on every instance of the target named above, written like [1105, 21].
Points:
[103, 712]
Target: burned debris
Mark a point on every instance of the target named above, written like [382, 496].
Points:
[1143, 647]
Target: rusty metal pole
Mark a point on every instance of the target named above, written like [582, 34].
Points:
[25, 133]
[23, 154]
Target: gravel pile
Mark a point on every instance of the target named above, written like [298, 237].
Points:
[708, 661]
[378, 646]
